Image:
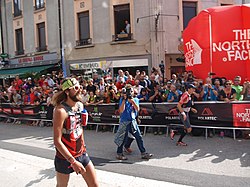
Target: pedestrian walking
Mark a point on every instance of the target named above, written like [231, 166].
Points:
[128, 109]
[185, 105]
[71, 155]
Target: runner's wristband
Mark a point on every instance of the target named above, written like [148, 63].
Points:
[71, 160]
[71, 163]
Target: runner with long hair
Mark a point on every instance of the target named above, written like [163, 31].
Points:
[71, 155]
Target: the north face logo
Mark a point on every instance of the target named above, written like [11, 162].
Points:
[197, 52]
[193, 54]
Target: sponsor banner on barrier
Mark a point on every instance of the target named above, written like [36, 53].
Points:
[217, 114]
[214, 114]
[102, 114]
[241, 115]
[26, 111]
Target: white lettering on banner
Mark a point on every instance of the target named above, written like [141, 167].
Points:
[189, 55]
[115, 117]
[145, 117]
[209, 118]
[242, 34]
[245, 116]
[237, 50]
[93, 114]
[172, 118]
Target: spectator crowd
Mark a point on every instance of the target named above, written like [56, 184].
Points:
[148, 88]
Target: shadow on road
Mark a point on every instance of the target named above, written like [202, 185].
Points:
[102, 149]
[45, 175]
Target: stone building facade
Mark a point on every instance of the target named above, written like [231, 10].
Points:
[91, 35]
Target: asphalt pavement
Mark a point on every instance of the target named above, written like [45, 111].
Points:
[27, 154]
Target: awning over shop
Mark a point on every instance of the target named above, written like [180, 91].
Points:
[9, 73]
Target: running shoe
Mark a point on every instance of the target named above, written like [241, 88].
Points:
[146, 155]
[121, 157]
[181, 144]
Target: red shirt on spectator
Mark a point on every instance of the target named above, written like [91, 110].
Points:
[120, 85]
[26, 99]
[17, 84]
[32, 98]
[132, 82]
[41, 82]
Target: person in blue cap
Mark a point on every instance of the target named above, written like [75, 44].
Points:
[185, 105]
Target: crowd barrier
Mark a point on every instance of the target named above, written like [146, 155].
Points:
[215, 115]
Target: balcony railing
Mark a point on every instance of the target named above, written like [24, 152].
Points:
[19, 52]
[39, 6]
[122, 37]
[17, 13]
[41, 48]
[83, 42]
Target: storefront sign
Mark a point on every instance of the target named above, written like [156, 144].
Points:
[89, 65]
[32, 59]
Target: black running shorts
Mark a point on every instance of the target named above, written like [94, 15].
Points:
[63, 166]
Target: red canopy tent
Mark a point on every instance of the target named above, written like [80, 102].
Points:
[218, 40]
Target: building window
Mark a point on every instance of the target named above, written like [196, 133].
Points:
[177, 69]
[84, 29]
[122, 23]
[19, 42]
[39, 4]
[189, 11]
[41, 37]
[223, 4]
[17, 8]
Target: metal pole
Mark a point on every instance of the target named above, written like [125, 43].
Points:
[61, 40]
[1, 27]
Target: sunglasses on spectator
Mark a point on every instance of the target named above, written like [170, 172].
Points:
[236, 80]
[228, 84]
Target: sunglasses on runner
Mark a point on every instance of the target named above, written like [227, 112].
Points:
[77, 87]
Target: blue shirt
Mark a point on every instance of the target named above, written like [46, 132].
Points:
[209, 94]
[141, 96]
[129, 112]
[176, 98]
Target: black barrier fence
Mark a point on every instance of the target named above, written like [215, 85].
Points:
[212, 114]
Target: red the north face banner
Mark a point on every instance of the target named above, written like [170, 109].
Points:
[241, 115]
[218, 40]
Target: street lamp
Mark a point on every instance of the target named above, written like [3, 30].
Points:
[61, 40]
